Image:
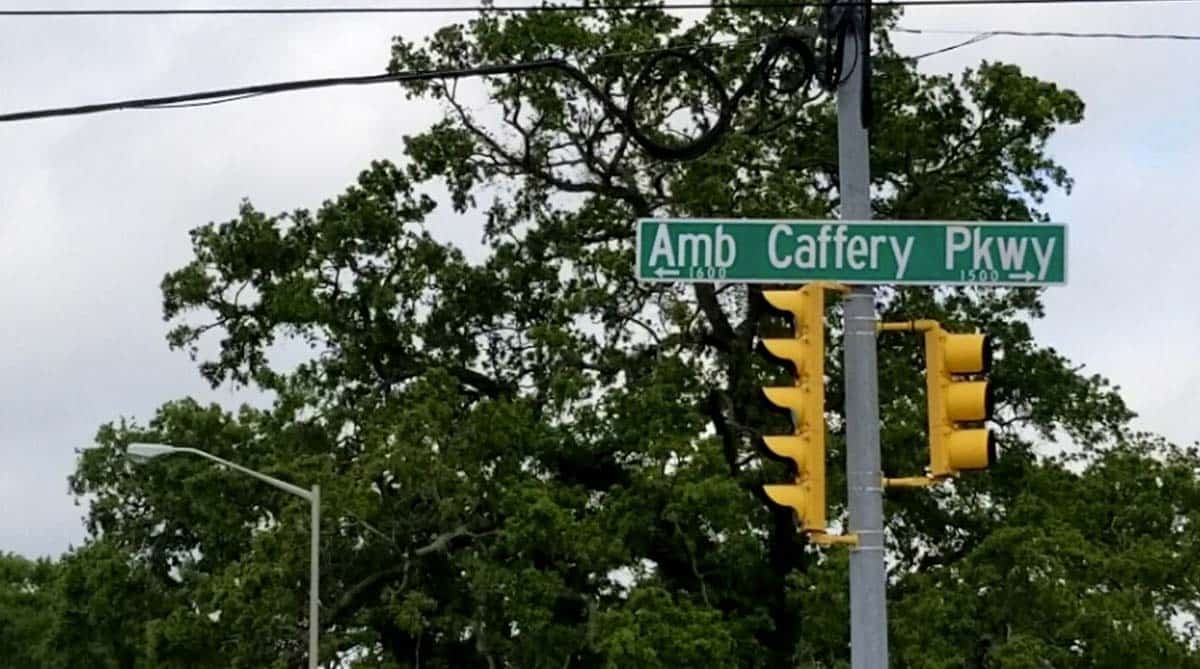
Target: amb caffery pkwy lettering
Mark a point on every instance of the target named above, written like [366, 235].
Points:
[865, 252]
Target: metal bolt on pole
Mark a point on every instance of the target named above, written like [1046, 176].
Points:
[864, 475]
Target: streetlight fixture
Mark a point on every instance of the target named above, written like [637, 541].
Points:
[142, 453]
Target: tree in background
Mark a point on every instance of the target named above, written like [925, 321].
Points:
[528, 459]
[89, 609]
[25, 598]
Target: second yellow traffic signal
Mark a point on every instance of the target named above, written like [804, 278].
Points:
[958, 401]
[958, 398]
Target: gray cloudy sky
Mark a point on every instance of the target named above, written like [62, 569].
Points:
[94, 210]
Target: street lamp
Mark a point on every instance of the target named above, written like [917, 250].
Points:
[141, 453]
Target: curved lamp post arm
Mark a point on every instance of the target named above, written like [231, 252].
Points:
[269, 480]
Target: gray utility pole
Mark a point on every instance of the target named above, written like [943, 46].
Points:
[864, 474]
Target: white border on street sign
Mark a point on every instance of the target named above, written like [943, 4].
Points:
[637, 260]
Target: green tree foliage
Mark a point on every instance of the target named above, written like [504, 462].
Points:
[26, 594]
[102, 599]
[91, 608]
[528, 459]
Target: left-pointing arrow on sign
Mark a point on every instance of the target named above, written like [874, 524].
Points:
[662, 271]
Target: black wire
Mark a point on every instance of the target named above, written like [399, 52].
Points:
[839, 76]
[220, 96]
[827, 73]
[866, 110]
[540, 8]
[280, 87]
[671, 60]
[207, 103]
[981, 35]
[1052, 33]
[838, 24]
[831, 78]
[973, 40]
[436, 9]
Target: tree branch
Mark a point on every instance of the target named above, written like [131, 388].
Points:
[526, 164]
[715, 410]
[354, 598]
[706, 297]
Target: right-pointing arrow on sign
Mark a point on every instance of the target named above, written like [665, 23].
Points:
[1025, 276]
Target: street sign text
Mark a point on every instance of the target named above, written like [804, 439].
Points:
[893, 252]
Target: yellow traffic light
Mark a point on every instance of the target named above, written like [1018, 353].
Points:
[956, 396]
[958, 399]
[806, 402]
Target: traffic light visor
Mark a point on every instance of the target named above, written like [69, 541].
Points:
[972, 449]
[786, 397]
[788, 300]
[969, 401]
[786, 495]
[806, 503]
[791, 351]
[792, 448]
[968, 353]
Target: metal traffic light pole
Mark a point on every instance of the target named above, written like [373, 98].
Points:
[864, 475]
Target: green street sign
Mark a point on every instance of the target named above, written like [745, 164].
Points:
[862, 252]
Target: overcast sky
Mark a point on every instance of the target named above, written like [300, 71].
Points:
[95, 210]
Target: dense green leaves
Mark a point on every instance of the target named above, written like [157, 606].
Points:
[26, 595]
[1086, 571]
[531, 460]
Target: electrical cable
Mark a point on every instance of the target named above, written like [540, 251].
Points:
[981, 35]
[434, 9]
[968, 42]
[220, 96]
[672, 59]
[279, 87]
[825, 70]
[1052, 33]
[206, 103]
[867, 98]
[450, 9]
[838, 23]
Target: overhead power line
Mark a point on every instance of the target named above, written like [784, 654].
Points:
[978, 36]
[220, 96]
[671, 58]
[231, 94]
[452, 9]
[787, 43]
[413, 9]
[967, 42]
[1051, 33]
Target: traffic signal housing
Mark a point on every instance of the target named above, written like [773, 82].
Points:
[959, 401]
[805, 401]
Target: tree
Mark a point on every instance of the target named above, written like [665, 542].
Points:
[95, 612]
[531, 460]
[25, 587]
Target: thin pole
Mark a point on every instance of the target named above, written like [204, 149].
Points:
[314, 585]
[868, 599]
